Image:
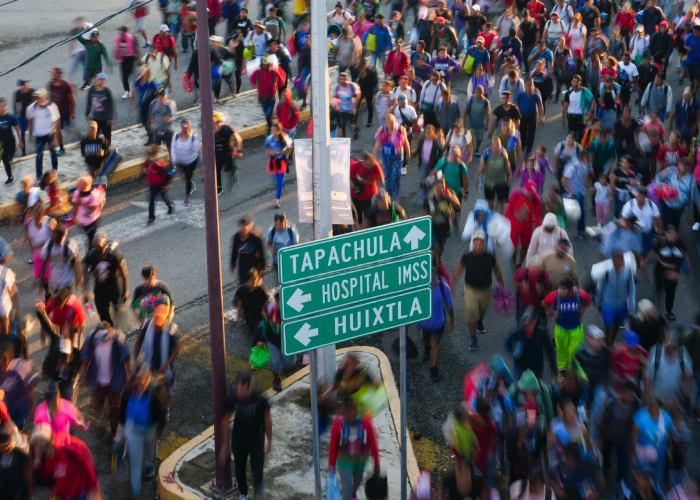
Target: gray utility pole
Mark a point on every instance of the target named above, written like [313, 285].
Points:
[216, 294]
[321, 141]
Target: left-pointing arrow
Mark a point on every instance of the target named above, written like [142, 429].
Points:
[298, 299]
[305, 333]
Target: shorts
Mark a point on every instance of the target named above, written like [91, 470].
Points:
[501, 191]
[476, 302]
[159, 137]
[65, 120]
[477, 133]
[693, 71]
[522, 234]
[439, 238]
[437, 333]
[614, 315]
[278, 361]
[138, 24]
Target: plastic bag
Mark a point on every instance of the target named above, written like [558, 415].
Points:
[376, 487]
[460, 436]
[187, 83]
[665, 191]
[371, 400]
[651, 193]
[644, 143]
[332, 488]
[572, 209]
[259, 357]
[504, 302]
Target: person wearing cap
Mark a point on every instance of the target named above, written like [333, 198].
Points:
[647, 213]
[60, 414]
[639, 44]
[142, 416]
[275, 25]
[685, 117]
[268, 79]
[126, 53]
[111, 276]
[405, 115]
[480, 54]
[251, 427]
[9, 121]
[62, 95]
[22, 98]
[100, 107]
[284, 61]
[43, 122]
[648, 324]
[381, 36]
[658, 96]
[529, 342]
[443, 36]
[161, 115]
[396, 62]
[258, 38]
[159, 67]
[185, 154]
[95, 51]
[478, 265]
[661, 44]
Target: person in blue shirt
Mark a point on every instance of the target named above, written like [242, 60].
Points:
[383, 41]
[541, 52]
[480, 55]
[8, 121]
[432, 329]
[692, 45]
[144, 87]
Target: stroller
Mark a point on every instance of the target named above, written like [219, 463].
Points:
[336, 30]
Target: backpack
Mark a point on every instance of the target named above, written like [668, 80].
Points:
[65, 249]
[360, 443]
[168, 51]
[657, 360]
[290, 232]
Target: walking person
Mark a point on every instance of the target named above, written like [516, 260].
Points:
[615, 290]
[105, 365]
[158, 179]
[251, 434]
[62, 94]
[280, 235]
[250, 300]
[576, 180]
[8, 122]
[345, 94]
[267, 80]
[184, 151]
[433, 328]
[379, 42]
[88, 202]
[126, 53]
[578, 107]
[37, 231]
[531, 107]
[247, 250]
[272, 338]
[226, 142]
[498, 176]
[278, 145]
[529, 342]
[659, 97]
[365, 176]
[101, 107]
[43, 122]
[22, 98]
[395, 149]
[95, 51]
[94, 149]
[429, 97]
[478, 265]
[111, 276]
[161, 115]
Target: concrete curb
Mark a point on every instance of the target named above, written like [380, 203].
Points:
[169, 489]
[134, 167]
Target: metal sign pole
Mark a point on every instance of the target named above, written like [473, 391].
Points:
[404, 491]
[314, 423]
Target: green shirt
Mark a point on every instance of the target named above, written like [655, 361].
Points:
[601, 154]
[453, 173]
[94, 54]
[495, 173]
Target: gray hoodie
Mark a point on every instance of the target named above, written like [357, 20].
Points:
[543, 241]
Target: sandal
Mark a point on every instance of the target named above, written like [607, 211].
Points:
[670, 316]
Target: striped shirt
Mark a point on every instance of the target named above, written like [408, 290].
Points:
[528, 105]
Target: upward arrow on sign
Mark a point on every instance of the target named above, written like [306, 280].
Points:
[298, 299]
[413, 237]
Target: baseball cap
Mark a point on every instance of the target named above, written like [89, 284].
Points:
[218, 117]
[564, 242]
[22, 81]
[646, 54]
[664, 24]
[161, 91]
[398, 40]
[56, 70]
[40, 93]
[95, 33]
[402, 98]
[479, 235]
[185, 121]
[245, 220]
[101, 75]
[595, 333]
[440, 20]
[215, 38]
[164, 27]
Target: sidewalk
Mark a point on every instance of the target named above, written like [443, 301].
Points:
[289, 473]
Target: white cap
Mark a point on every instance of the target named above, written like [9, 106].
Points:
[164, 27]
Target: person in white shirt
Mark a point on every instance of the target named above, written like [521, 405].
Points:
[258, 38]
[9, 298]
[554, 29]
[185, 154]
[404, 89]
[405, 115]
[564, 11]
[628, 75]
[340, 16]
[44, 120]
[646, 213]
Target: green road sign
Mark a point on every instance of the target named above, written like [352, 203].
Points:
[352, 322]
[358, 285]
[361, 248]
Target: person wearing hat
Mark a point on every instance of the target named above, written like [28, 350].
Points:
[44, 121]
[661, 44]
[646, 213]
[478, 265]
[159, 67]
[639, 44]
[685, 117]
[22, 98]
[258, 38]
[268, 80]
[101, 107]
[62, 95]
[659, 97]
[95, 51]
[275, 25]
[396, 62]
[529, 343]
[444, 35]
[9, 121]
[381, 36]
[126, 53]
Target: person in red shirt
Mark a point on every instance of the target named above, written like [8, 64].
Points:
[287, 113]
[165, 43]
[628, 358]
[486, 435]
[365, 173]
[70, 466]
[396, 62]
[531, 284]
[524, 210]
[267, 81]
[139, 14]
[671, 152]
[66, 312]
[537, 10]
[62, 95]
[157, 179]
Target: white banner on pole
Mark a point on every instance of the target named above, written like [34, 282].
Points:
[341, 203]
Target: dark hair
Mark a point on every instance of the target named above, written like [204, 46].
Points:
[512, 73]
[2, 100]
[483, 408]
[567, 282]
[243, 378]
[662, 76]
[244, 9]
[148, 271]
[632, 219]
[573, 451]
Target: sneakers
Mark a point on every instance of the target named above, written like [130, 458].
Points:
[426, 354]
[434, 374]
[404, 171]
[696, 226]
[277, 384]
[60, 152]
[30, 261]
[171, 210]
[480, 327]
[151, 222]
[11, 180]
[477, 155]
[145, 45]
[149, 472]
[369, 124]
[472, 344]
[582, 236]
[187, 201]
[277, 203]
[126, 95]
[85, 86]
[219, 190]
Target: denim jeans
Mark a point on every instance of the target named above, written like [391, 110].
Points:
[670, 215]
[380, 56]
[77, 60]
[582, 221]
[350, 482]
[164, 193]
[41, 143]
[279, 180]
[175, 29]
[137, 440]
[461, 31]
[621, 449]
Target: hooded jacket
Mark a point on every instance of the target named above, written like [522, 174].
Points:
[544, 241]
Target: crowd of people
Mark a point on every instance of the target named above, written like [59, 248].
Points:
[625, 388]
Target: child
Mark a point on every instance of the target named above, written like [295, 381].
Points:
[602, 199]
[656, 133]
[531, 172]
[555, 205]
[609, 69]
[397, 30]
[591, 132]
[383, 99]
[543, 163]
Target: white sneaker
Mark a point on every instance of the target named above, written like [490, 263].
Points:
[404, 171]
[696, 226]
[126, 95]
